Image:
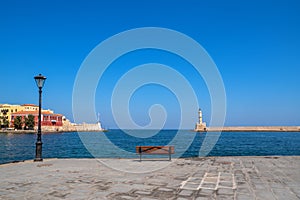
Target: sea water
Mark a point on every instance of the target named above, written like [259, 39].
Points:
[121, 144]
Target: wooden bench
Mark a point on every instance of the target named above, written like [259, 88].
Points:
[155, 150]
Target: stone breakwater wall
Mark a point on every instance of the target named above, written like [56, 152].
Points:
[59, 129]
[252, 129]
[73, 128]
[83, 127]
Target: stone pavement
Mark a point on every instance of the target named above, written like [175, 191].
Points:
[198, 178]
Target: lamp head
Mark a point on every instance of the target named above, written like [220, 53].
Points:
[40, 80]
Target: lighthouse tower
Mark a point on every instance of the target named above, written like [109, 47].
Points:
[200, 116]
[200, 126]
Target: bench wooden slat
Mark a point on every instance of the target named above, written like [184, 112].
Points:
[160, 150]
[154, 149]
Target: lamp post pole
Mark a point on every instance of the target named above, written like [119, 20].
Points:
[38, 150]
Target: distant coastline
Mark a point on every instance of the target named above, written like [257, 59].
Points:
[94, 128]
[47, 132]
[250, 129]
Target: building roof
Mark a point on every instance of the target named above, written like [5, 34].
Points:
[28, 104]
[34, 112]
[8, 105]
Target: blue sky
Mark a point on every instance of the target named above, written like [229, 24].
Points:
[255, 45]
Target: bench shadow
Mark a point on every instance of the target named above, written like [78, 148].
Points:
[151, 159]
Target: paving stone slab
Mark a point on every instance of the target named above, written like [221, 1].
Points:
[225, 191]
[141, 192]
[284, 194]
[204, 198]
[149, 198]
[165, 189]
[244, 197]
[225, 197]
[186, 193]
[206, 192]
[264, 194]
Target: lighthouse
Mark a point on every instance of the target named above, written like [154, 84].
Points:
[200, 126]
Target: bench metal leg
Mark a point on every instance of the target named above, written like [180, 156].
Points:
[169, 153]
[140, 157]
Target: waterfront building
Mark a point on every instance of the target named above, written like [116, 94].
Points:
[50, 121]
[9, 111]
[48, 118]
[200, 126]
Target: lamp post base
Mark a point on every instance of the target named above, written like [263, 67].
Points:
[38, 152]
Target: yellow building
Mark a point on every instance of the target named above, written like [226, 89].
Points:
[6, 110]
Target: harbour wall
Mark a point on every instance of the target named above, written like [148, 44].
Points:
[251, 129]
[66, 128]
[73, 128]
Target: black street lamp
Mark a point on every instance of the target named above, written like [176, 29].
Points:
[40, 80]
